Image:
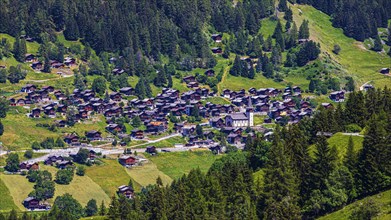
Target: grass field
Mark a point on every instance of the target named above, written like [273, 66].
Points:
[19, 193]
[179, 163]
[6, 201]
[20, 131]
[383, 199]
[218, 100]
[237, 83]
[341, 142]
[147, 174]
[109, 176]
[362, 64]
[82, 188]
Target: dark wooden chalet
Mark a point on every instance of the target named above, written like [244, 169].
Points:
[217, 50]
[137, 134]
[71, 138]
[94, 135]
[127, 91]
[126, 191]
[385, 71]
[217, 38]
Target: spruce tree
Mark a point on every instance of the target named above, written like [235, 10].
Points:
[389, 35]
[350, 158]
[280, 187]
[102, 209]
[324, 163]
[114, 209]
[370, 176]
[235, 69]
[1, 128]
[304, 32]
[279, 36]
[377, 45]
[282, 5]
[140, 88]
[3, 76]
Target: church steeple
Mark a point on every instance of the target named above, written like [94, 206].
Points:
[250, 112]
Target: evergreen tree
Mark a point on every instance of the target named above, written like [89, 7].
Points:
[140, 88]
[377, 45]
[236, 68]
[304, 32]
[91, 208]
[114, 209]
[324, 163]
[370, 176]
[280, 187]
[3, 76]
[102, 209]
[279, 36]
[282, 5]
[389, 35]
[99, 85]
[1, 128]
[12, 163]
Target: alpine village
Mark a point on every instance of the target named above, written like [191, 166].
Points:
[195, 109]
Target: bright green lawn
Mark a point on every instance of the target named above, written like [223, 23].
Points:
[218, 100]
[147, 174]
[383, 199]
[175, 164]
[6, 201]
[237, 83]
[18, 186]
[109, 176]
[82, 188]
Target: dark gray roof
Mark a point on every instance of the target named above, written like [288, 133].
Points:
[238, 116]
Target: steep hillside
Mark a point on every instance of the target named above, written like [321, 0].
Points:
[355, 58]
[383, 201]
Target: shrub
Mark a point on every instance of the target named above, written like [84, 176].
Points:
[353, 128]
[80, 170]
[336, 49]
[28, 154]
[64, 176]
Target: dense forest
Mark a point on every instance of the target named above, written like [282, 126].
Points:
[173, 28]
[303, 176]
[358, 18]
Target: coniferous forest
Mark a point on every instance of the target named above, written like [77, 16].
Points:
[303, 176]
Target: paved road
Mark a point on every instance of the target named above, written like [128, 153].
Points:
[353, 134]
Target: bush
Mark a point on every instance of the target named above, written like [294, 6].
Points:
[80, 170]
[353, 128]
[64, 176]
[336, 49]
[28, 154]
[366, 210]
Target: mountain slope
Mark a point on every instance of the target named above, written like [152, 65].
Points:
[362, 64]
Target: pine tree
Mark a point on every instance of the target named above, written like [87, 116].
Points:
[114, 209]
[236, 68]
[280, 187]
[370, 176]
[282, 5]
[377, 45]
[304, 32]
[389, 36]
[102, 209]
[1, 128]
[350, 158]
[140, 88]
[279, 36]
[324, 163]
[3, 76]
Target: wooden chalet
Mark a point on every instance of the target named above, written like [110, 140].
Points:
[217, 50]
[71, 139]
[137, 134]
[217, 38]
[127, 160]
[94, 135]
[385, 71]
[126, 191]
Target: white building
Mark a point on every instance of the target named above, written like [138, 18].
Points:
[243, 119]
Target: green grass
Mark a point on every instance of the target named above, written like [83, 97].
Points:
[341, 141]
[32, 47]
[6, 201]
[218, 100]
[362, 64]
[19, 188]
[97, 123]
[383, 199]
[170, 142]
[258, 119]
[267, 27]
[109, 176]
[82, 188]
[20, 131]
[237, 83]
[175, 164]
[147, 174]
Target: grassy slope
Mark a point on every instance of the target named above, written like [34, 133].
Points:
[383, 199]
[359, 62]
[179, 163]
[147, 174]
[6, 201]
[82, 188]
[19, 193]
[340, 141]
[110, 176]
